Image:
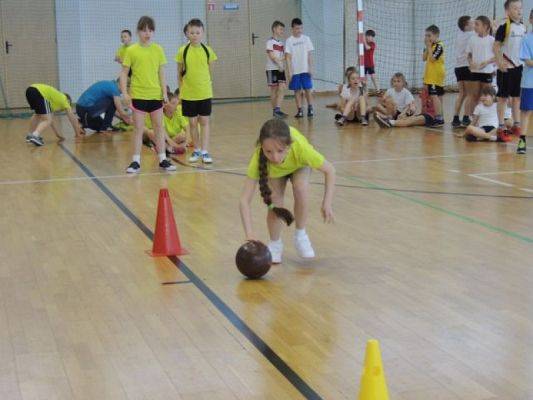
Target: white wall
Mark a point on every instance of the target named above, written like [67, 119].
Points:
[88, 35]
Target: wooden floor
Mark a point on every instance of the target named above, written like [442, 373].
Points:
[431, 254]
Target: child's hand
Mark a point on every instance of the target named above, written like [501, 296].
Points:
[127, 120]
[475, 66]
[327, 213]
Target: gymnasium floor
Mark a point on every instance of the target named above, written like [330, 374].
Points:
[431, 254]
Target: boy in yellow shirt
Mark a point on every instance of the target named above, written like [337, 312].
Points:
[148, 91]
[194, 77]
[435, 71]
[125, 39]
[284, 154]
[45, 100]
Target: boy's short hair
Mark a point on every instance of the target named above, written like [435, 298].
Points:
[399, 75]
[463, 21]
[296, 22]
[508, 3]
[488, 91]
[276, 23]
[125, 31]
[146, 22]
[434, 29]
[370, 33]
[194, 22]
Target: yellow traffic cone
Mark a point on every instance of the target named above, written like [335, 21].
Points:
[373, 385]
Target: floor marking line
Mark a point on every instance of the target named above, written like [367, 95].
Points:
[475, 176]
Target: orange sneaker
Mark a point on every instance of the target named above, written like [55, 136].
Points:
[503, 136]
[516, 130]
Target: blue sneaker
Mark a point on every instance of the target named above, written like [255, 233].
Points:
[195, 156]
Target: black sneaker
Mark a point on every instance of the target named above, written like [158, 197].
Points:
[438, 122]
[28, 138]
[134, 168]
[36, 140]
[382, 121]
[364, 121]
[310, 112]
[456, 123]
[466, 121]
[299, 114]
[470, 138]
[338, 116]
[167, 165]
[340, 121]
[279, 114]
[522, 148]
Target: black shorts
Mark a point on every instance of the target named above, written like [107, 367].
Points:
[193, 108]
[274, 77]
[370, 71]
[147, 106]
[37, 102]
[509, 82]
[434, 90]
[481, 77]
[488, 129]
[463, 74]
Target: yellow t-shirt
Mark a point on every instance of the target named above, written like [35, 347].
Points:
[121, 52]
[301, 154]
[197, 83]
[435, 71]
[145, 62]
[58, 101]
[173, 125]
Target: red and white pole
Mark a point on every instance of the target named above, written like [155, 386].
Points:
[361, 38]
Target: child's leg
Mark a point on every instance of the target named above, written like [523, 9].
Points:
[309, 97]
[460, 98]
[437, 103]
[340, 104]
[298, 97]
[195, 136]
[516, 110]
[524, 118]
[277, 185]
[300, 189]
[416, 120]
[362, 106]
[34, 121]
[349, 108]
[138, 121]
[502, 105]
[375, 82]
[273, 96]
[204, 123]
[470, 90]
[157, 124]
[480, 133]
[42, 122]
[280, 93]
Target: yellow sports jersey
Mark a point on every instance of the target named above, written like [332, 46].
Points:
[145, 62]
[58, 101]
[197, 80]
[301, 154]
[173, 125]
[435, 71]
[121, 52]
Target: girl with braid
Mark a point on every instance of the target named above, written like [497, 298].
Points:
[284, 154]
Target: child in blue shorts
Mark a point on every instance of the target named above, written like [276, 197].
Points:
[298, 50]
[526, 96]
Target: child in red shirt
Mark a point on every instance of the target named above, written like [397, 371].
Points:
[370, 47]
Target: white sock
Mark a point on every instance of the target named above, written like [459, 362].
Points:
[162, 156]
[205, 152]
[137, 158]
[35, 133]
[392, 122]
[300, 233]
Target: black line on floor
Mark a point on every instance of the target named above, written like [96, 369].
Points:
[293, 377]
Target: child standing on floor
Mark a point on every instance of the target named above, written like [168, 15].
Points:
[462, 71]
[194, 76]
[298, 50]
[526, 99]
[507, 51]
[480, 57]
[148, 91]
[370, 48]
[44, 100]
[284, 154]
[275, 68]
[435, 70]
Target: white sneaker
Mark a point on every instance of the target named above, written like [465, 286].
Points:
[206, 158]
[276, 250]
[303, 246]
[195, 156]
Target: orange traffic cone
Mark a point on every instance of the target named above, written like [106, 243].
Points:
[166, 238]
[373, 384]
